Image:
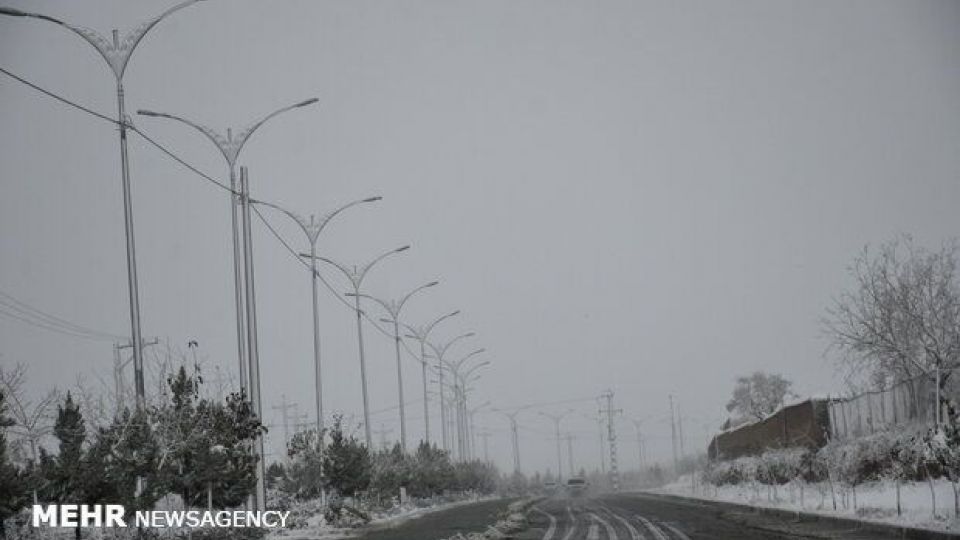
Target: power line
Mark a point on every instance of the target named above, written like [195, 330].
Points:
[26, 313]
[52, 328]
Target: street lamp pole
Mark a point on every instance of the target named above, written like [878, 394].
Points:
[356, 277]
[393, 308]
[230, 146]
[421, 334]
[260, 495]
[556, 422]
[117, 52]
[311, 229]
[460, 396]
[439, 351]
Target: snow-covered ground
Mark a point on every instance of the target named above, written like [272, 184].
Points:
[874, 502]
[317, 529]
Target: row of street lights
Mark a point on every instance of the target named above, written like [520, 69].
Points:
[117, 52]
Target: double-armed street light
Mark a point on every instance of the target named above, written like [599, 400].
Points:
[461, 381]
[312, 228]
[514, 435]
[230, 147]
[421, 334]
[117, 52]
[471, 432]
[556, 422]
[393, 309]
[439, 351]
[356, 277]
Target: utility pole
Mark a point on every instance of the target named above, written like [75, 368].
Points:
[570, 439]
[283, 408]
[556, 424]
[612, 439]
[253, 355]
[485, 435]
[603, 449]
[383, 432]
[636, 424]
[514, 438]
[680, 431]
[119, 364]
[673, 434]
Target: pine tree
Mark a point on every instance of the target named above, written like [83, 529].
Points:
[64, 474]
[346, 462]
[13, 485]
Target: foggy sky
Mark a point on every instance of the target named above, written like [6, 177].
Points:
[649, 197]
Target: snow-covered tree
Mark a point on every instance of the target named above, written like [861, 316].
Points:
[902, 320]
[758, 395]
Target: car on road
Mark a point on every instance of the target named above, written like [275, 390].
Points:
[576, 486]
[550, 487]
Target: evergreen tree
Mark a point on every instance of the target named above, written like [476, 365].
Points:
[204, 445]
[13, 486]
[64, 475]
[346, 462]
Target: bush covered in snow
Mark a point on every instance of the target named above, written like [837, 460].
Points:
[914, 454]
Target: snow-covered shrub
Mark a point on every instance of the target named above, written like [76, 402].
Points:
[778, 467]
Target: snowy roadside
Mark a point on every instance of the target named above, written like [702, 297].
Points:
[875, 502]
[514, 519]
[317, 529]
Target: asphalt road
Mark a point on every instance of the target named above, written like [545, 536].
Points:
[640, 516]
[475, 517]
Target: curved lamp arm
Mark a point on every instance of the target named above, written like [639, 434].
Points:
[115, 52]
[338, 266]
[461, 361]
[245, 134]
[369, 265]
[413, 292]
[438, 321]
[439, 351]
[229, 146]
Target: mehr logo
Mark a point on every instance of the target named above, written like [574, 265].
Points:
[112, 515]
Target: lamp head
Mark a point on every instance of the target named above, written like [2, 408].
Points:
[373, 199]
[304, 103]
[145, 112]
[432, 284]
[404, 248]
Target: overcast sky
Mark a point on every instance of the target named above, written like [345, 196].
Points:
[652, 197]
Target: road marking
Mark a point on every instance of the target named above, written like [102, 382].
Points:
[553, 524]
[611, 532]
[573, 525]
[679, 534]
[634, 533]
[657, 533]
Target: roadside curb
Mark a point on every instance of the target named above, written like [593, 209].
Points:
[902, 531]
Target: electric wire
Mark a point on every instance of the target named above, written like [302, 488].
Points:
[27, 310]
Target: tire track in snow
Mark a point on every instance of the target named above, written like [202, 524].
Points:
[654, 530]
[611, 532]
[573, 525]
[552, 529]
[676, 532]
[631, 530]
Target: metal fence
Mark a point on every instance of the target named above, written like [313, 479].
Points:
[911, 401]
